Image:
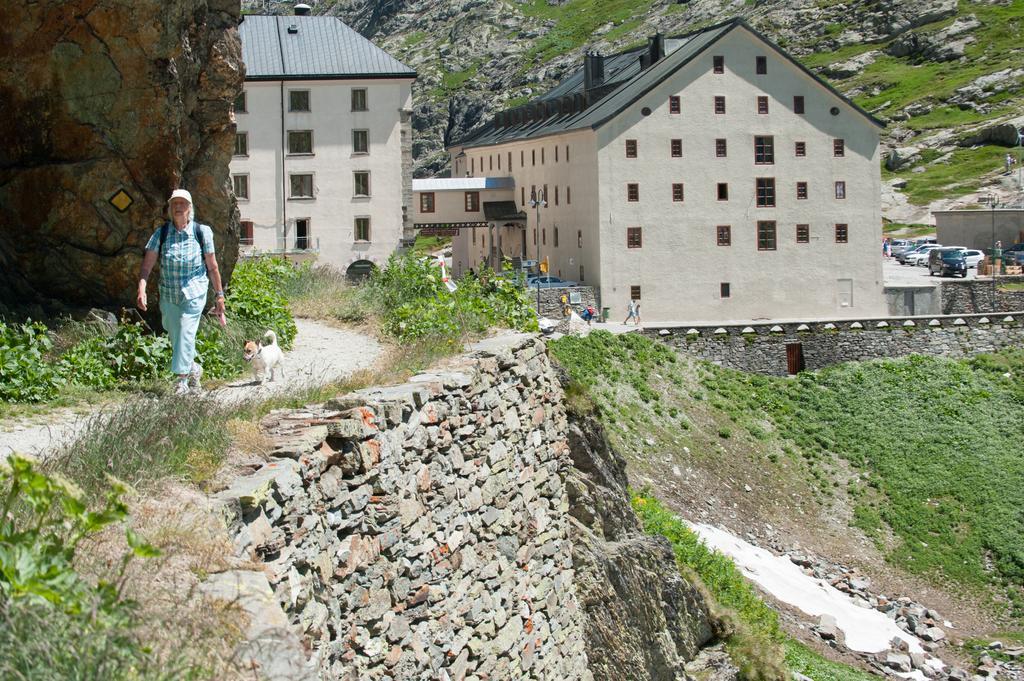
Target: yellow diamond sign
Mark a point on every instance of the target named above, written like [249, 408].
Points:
[121, 200]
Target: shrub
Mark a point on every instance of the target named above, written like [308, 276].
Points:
[414, 303]
[256, 297]
[25, 375]
[57, 624]
[129, 354]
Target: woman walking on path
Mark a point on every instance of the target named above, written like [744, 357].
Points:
[187, 264]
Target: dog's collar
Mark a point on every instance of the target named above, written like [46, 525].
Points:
[258, 352]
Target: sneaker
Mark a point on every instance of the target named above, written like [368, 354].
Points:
[181, 388]
[194, 377]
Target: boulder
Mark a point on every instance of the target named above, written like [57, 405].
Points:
[109, 107]
[1004, 134]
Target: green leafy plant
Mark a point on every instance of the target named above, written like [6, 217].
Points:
[256, 297]
[25, 375]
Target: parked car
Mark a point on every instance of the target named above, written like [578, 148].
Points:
[548, 282]
[973, 257]
[903, 256]
[920, 258]
[948, 261]
[1014, 255]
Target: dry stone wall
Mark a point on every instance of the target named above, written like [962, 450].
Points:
[979, 295]
[422, 531]
[761, 348]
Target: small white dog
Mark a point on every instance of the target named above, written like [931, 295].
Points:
[264, 357]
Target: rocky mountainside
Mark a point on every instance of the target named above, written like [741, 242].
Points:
[943, 73]
[107, 108]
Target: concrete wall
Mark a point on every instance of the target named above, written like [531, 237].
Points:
[680, 266]
[981, 295]
[334, 208]
[762, 348]
[979, 228]
[422, 530]
[913, 300]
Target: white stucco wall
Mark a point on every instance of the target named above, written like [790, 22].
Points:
[333, 209]
[680, 266]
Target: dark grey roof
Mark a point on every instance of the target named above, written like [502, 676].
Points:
[625, 82]
[320, 47]
[502, 210]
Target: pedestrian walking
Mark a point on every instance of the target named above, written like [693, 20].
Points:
[187, 264]
[633, 312]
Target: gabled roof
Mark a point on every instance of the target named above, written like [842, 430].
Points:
[626, 83]
[311, 48]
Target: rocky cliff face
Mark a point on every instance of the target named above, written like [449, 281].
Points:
[937, 69]
[102, 101]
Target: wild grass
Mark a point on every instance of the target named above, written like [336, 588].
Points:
[144, 440]
[325, 293]
[803, 660]
[576, 22]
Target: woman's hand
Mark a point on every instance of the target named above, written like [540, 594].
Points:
[218, 307]
[140, 300]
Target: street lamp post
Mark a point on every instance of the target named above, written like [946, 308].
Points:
[538, 201]
[992, 211]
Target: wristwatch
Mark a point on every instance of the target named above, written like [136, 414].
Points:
[220, 294]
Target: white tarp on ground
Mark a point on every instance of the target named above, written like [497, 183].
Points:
[866, 630]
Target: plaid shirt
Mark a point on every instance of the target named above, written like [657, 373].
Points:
[182, 272]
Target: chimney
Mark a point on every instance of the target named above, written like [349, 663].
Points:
[656, 47]
[593, 70]
[302, 9]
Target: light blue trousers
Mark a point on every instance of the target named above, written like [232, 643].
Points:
[181, 321]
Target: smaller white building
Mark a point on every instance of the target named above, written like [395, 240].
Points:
[323, 151]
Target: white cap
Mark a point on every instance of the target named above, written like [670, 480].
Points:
[181, 194]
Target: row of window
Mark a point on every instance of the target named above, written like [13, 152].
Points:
[301, 185]
[299, 101]
[675, 104]
[300, 142]
[304, 234]
[543, 237]
[471, 201]
[724, 290]
[522, 159]
[764, 191]
[764, 148]
[766, 235]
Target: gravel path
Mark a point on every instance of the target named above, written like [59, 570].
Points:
[321, 354]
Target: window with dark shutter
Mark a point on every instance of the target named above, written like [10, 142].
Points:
[719, 104]
[721, 149]
[803, 234]
[674, 105]
[762, 104]
[761, 65]
[765, 192]
[677, 148]
[723, 290]
[800, 149]
[838, 148]
[632, 192]
[634, 238]
[634, 292]
[842, 234]
[719, 63]
[766, 235]
[677, 191]
[724, 234]
[630, 148]
[840, 189]
[801, 191]
[723, 191]
[764, 150]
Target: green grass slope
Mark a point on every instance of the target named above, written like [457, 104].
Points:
[927, 451]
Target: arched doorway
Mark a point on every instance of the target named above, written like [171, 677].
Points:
[360, 270]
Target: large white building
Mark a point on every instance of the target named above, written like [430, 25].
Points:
[323, 151]
[709, 175]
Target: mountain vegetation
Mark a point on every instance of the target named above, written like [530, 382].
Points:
[944, 74]
[919, 454]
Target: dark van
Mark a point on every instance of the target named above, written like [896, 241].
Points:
[947, 262]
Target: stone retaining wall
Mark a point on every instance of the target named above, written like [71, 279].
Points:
[761, 348]
[980, 296]
[422, 531]
[551, 303]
